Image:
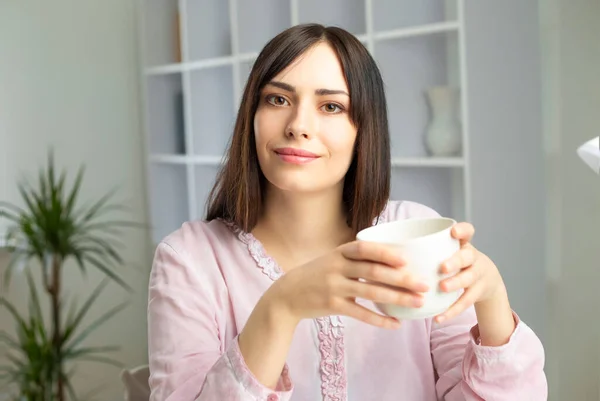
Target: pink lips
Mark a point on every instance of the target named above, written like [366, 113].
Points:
[296, 156]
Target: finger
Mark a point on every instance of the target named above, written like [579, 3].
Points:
[374, 252]
[464, 279]
[465, 257]
[463, 232]
[384, 294]
[363, 314]
[466, 300]
[379, 273]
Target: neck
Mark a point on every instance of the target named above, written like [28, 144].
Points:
[303, 224]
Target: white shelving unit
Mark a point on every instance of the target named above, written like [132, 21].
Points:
[192, 86]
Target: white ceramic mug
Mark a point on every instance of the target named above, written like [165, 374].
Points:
[425, 244]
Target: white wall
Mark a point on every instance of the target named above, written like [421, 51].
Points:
[68, 73]
[69, 78]
[571, 89]
[505, 125]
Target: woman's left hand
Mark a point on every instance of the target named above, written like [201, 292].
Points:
[475, 273]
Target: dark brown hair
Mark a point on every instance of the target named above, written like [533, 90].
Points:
[239, 189]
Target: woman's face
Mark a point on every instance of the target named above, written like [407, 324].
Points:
[304, 136]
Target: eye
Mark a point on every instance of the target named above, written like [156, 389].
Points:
[276, 100]
[332, 108]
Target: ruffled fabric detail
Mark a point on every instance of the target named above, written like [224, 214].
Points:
[253, 386]
[266, 263]
[334, 386]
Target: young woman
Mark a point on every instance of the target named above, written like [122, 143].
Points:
[262, 300]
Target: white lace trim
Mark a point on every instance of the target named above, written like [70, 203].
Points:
[331, 329]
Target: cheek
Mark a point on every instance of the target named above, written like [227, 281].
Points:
[341, 139]
[261, 131]
[266, 126]
[258, 125]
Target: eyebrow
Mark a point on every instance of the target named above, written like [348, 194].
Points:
[319, 92]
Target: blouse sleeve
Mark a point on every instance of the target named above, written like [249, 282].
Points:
[186, 354]
[468, 371]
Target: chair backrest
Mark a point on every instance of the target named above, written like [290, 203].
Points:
[136, 383]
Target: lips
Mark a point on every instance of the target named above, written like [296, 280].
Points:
[295, 152]
[296, 156]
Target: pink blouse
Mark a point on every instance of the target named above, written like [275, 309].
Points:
[206, 279]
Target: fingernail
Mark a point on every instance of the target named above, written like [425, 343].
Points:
[441, 318]
[423, 287]
[417, 301]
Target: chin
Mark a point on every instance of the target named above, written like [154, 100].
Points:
[301, 182]
[297, 185]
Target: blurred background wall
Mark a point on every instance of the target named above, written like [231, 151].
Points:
[70, 79]
[570, 43]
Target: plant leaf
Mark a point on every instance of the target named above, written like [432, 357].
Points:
[13, 311]
[75, 191]
[106, 270]
[102, 252]
[6, 338]
[34, 299]
[97, 207]
[101, 359]
[11, 206]
[79, 258]
[17, 257]
[115, 224]
[106, 316]
[69, 386]
[72, 327]
[80, 352]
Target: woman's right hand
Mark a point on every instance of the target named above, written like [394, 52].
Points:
[330, 284]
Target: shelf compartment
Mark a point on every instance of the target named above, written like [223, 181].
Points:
[416, 31]
[259, 21]
[165, 114]
[437, 188]
[244, 71]
[197, 65]
[205, 178]
[378, 36]
[208, 29]
[169, 199]
[347, 14]
[409, 67]
[161, 32]
[441, 162]
[212, 109]
[398, 14]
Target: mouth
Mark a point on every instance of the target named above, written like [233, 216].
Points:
[296, 156]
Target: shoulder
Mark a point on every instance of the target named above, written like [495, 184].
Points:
[402, 209]
[188, 262]
[196, 246]
[199, 236]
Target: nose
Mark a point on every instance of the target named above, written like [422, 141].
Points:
[302, 123]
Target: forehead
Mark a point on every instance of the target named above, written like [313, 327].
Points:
[316, 68]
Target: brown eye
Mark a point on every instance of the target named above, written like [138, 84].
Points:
[277, 100]
[331, 108]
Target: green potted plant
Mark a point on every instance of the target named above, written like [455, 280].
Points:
[53, 228]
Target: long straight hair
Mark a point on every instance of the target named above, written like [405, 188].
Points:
[237, 195]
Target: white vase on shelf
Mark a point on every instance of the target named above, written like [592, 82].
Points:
[443, 134]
